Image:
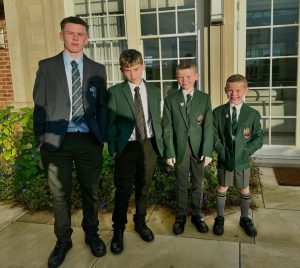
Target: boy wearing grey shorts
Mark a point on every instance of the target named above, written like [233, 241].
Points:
[238, 134]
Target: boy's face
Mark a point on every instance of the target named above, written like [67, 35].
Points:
[75, 38]
[235, 92]
[134, 73]
[187, 78]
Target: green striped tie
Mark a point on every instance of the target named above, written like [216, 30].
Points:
[234, 121]
[188, 106]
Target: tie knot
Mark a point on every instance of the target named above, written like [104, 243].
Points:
[234, 108]
[188, 96]
[74, 64]
[136, 89]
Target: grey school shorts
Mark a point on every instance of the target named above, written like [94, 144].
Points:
[238, 178]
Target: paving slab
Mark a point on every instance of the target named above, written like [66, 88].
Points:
[10, 212]
[266, 256]
[105, 218]
[277, 196]
[29, 245]
[41, 217]
[172, 252]
[277, 227]
[162, 220]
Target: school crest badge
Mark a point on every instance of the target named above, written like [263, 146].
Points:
[93, 90]
[246, 133]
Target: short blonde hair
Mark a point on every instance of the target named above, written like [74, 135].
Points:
[237, 78]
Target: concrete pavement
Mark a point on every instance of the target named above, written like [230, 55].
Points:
[26, 238]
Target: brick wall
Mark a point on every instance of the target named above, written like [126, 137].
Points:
[6, 89]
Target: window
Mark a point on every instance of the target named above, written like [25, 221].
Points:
[169, 34]
[107, 33]
[272, 51]
[166, 31]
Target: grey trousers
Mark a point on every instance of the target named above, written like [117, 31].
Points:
[189, 172]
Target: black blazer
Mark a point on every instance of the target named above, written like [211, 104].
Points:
[52, 101]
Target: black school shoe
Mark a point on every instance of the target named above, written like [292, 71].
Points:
[142, 229]
[199, 224]
[117, 244]
[178, 227]
[59, 252]
[218, 228]
[247, 224]
[97, 246]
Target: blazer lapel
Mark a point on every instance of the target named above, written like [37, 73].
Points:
[85, 82]
[151, 101]
[196, 103]
[62, 76]
[128, 95]
[243, 116]
[182, 106]
[227, 118]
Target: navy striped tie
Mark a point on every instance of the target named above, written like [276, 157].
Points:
[77, 107]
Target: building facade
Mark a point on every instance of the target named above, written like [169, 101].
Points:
[257, 38]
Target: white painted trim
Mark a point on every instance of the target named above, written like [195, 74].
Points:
[69, 8]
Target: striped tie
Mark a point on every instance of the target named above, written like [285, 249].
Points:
[140, 125]
[234, 121]
[77, 107]
[188, 106]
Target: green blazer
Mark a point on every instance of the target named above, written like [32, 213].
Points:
[176, 129]
[249, 137]
[121, 118]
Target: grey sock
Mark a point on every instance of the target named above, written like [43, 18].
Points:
[245, 202]
[221, 198]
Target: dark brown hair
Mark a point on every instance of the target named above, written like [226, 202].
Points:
[75, 20]
[186, 64]
[130, 57]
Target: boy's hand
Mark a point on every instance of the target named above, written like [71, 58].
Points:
[171, 162]
[206, 159]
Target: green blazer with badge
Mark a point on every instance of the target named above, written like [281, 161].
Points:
[235, 155]
[178, 128]
[121, 117]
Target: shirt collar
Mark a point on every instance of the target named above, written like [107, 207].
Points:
[238, 107]
[68, 59]
[185, 92]
[133, 86]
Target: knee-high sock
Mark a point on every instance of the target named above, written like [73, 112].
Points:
[221, 199]
[245, 202]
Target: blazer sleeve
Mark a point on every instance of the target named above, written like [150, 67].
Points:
[102, 105]
[208, 130]
[168, 131]
[39, 99]
[218, 145]
[257, 136]
[111, 119]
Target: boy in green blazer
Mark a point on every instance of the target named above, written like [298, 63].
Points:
[188, 140]
[238, 134]
[134, 140]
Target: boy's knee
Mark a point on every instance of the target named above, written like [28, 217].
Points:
[222, 189]
[244, 191]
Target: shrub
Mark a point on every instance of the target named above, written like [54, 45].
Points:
[22, 177]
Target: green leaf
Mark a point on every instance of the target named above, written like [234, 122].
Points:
[6, 155]
[6, 131]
